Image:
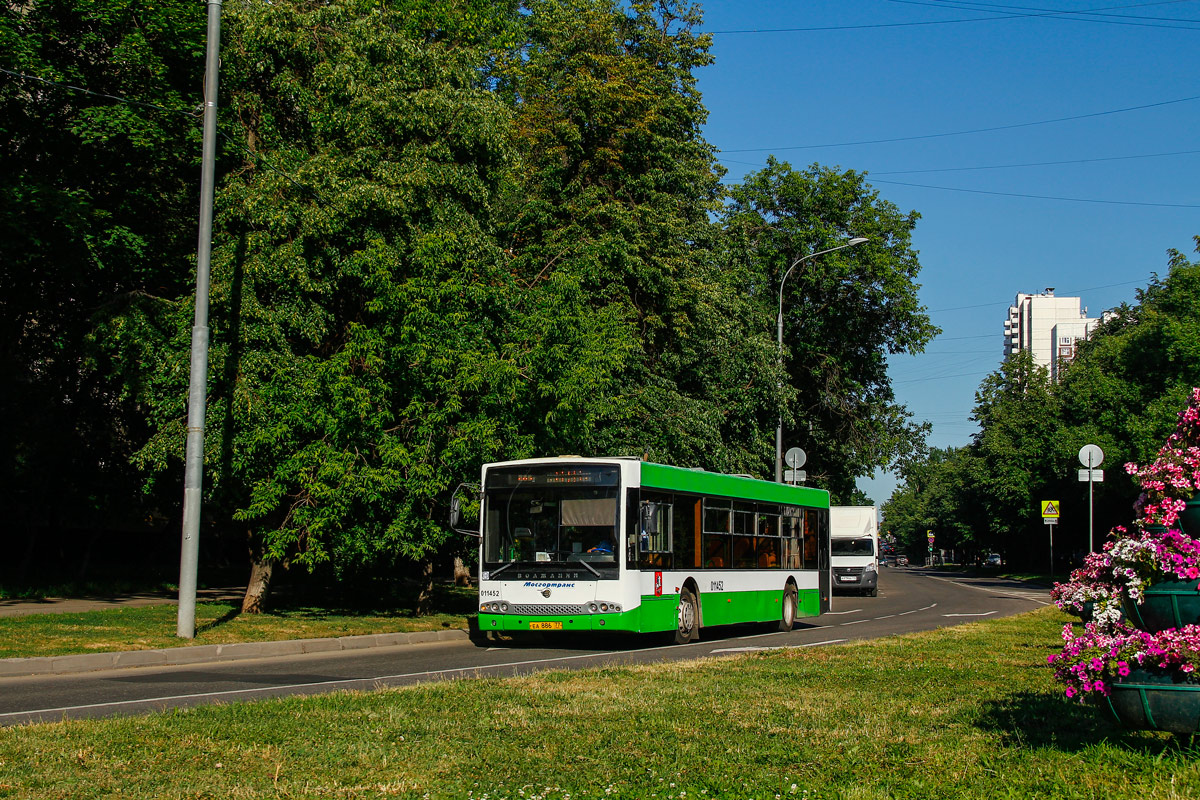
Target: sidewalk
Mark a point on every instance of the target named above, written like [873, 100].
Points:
[207, 653]
[71, 605]
[172, 656]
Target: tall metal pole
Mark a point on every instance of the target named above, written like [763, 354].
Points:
[779, 345]
[193, 479]
[1091, 545]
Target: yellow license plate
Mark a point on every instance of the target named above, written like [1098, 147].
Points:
[545, 626]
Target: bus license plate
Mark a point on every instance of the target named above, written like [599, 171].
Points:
[545, 626]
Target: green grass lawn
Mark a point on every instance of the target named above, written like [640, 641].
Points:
[963, 712]
[153, 627]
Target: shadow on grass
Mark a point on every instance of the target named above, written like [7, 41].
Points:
[233, 613]
[1037, 719]
[379, 599]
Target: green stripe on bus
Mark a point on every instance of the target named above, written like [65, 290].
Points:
[657, 614]
[660, 476]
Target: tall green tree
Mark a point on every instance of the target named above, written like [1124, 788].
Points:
[359, 299]
[100, 147]
[1021, 447]
[844, 312]
[1122, 391]
[939, 495]
[606, 223]
[1130, 379]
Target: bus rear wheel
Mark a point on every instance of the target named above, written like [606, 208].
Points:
[687, 617]
[787, 616]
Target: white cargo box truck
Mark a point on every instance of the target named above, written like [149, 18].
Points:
[854, 549]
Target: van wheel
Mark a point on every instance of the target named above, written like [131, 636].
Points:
[787, 616]
[687, 617]
[872, 593]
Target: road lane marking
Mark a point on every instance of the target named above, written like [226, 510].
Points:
[1032, 597]
[774, 647]
[980, 614]
[347, 681]
[851, 611]
[336, 682]
[854, 622]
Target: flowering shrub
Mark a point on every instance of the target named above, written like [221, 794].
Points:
[1094, 659]
[1093, 583]
[1128, 563]
[1107, 650]
[1174, 476]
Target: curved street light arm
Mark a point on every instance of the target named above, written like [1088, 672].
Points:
[779, 342]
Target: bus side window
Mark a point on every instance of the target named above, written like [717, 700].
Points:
[811, 534]
[685, 531]
[717, 529]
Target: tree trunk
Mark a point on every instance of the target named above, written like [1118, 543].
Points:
[255, 601]
[462, 575]
[425, 594]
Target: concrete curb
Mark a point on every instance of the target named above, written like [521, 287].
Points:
[173, 656]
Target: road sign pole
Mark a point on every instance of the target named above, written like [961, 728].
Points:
[1051, 552]
[1091, 456]
[1091, 545]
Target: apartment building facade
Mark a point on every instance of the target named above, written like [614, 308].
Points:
[1048, 327]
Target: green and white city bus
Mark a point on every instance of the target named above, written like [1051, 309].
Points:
[618, 544]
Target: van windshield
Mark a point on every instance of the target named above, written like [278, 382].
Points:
[853, 547]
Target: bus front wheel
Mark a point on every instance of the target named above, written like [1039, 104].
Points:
[687, 617]
[787, 616]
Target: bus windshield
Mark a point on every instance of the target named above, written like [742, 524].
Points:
[551, 514]
[852, 547]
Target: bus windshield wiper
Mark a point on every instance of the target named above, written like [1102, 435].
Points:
[591, 569]
[496, 572]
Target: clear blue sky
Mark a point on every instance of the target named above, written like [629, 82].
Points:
[811, 80]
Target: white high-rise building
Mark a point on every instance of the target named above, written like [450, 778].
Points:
[1048, 327]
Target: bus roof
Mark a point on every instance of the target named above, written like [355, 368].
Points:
[661, 476]
[680, 479]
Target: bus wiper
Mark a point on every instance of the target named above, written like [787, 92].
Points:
[496, 572]
[591, 569]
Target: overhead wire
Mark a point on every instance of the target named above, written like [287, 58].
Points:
[1072, 15]
[1043, 196]
[1079, 15]
[968, 132]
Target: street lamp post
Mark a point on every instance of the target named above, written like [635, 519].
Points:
[779, 341]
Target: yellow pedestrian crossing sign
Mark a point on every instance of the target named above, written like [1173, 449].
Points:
[1050, 509]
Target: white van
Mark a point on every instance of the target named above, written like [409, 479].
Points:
[854, 549]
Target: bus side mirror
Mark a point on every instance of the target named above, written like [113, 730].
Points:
[465, 498]
[650, 518]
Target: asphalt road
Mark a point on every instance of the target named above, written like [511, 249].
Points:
[909, 600]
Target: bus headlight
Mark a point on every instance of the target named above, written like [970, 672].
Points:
[504, 607]
[592, 607]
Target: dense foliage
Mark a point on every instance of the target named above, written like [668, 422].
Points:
[447, 231]
[1123, 392]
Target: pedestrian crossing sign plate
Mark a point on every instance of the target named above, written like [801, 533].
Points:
[1050, 509]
